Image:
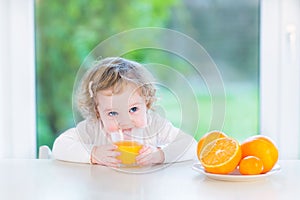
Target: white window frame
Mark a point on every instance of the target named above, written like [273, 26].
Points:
[17, 80]
[280, 74]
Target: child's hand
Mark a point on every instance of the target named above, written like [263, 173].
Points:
[105, 155]
[150, 156]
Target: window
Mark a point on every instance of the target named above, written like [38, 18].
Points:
[229, 31]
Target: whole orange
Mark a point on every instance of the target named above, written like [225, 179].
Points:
[207, 138]
[251, 165]
[263, 148]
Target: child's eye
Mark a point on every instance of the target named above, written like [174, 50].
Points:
[133, 109]
[112, 113]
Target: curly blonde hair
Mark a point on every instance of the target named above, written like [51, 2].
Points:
[113, 73]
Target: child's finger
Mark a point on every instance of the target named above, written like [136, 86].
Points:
[112, 161]
[144, 153]
[144, 149]
[146, 160]
[108, 161]
[110, 147]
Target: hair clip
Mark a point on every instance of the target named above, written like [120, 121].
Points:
[90, 89]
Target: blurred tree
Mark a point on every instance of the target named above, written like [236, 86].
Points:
[228, 30]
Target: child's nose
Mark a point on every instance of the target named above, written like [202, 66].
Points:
[124, 120]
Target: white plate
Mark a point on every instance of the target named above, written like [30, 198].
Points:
[235, 175]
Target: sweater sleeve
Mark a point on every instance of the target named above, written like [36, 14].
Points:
[69, 146]
[176, 144]
[181, 148]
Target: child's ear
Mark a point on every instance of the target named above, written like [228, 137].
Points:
[147, 102]
[97, 112]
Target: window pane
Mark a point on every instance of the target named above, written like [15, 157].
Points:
[67, 32]
[229, 31]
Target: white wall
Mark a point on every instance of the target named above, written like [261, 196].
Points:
[17, 79]
[280, 74]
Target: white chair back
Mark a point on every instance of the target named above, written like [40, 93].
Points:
[45, 152]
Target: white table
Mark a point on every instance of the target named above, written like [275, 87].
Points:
[50, 179]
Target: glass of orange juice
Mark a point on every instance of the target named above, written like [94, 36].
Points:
[129, 150]
[128, 147]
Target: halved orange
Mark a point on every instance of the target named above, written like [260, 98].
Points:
[221, 156]
[207, 138]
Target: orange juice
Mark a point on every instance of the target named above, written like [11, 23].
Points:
[129, 150]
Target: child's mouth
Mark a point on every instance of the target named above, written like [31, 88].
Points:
[127, 131]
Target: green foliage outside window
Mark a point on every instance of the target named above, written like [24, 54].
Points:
[67, 31]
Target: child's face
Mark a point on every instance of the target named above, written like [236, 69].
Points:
[122, 111]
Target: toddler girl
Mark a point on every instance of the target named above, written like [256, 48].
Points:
[116, 96]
